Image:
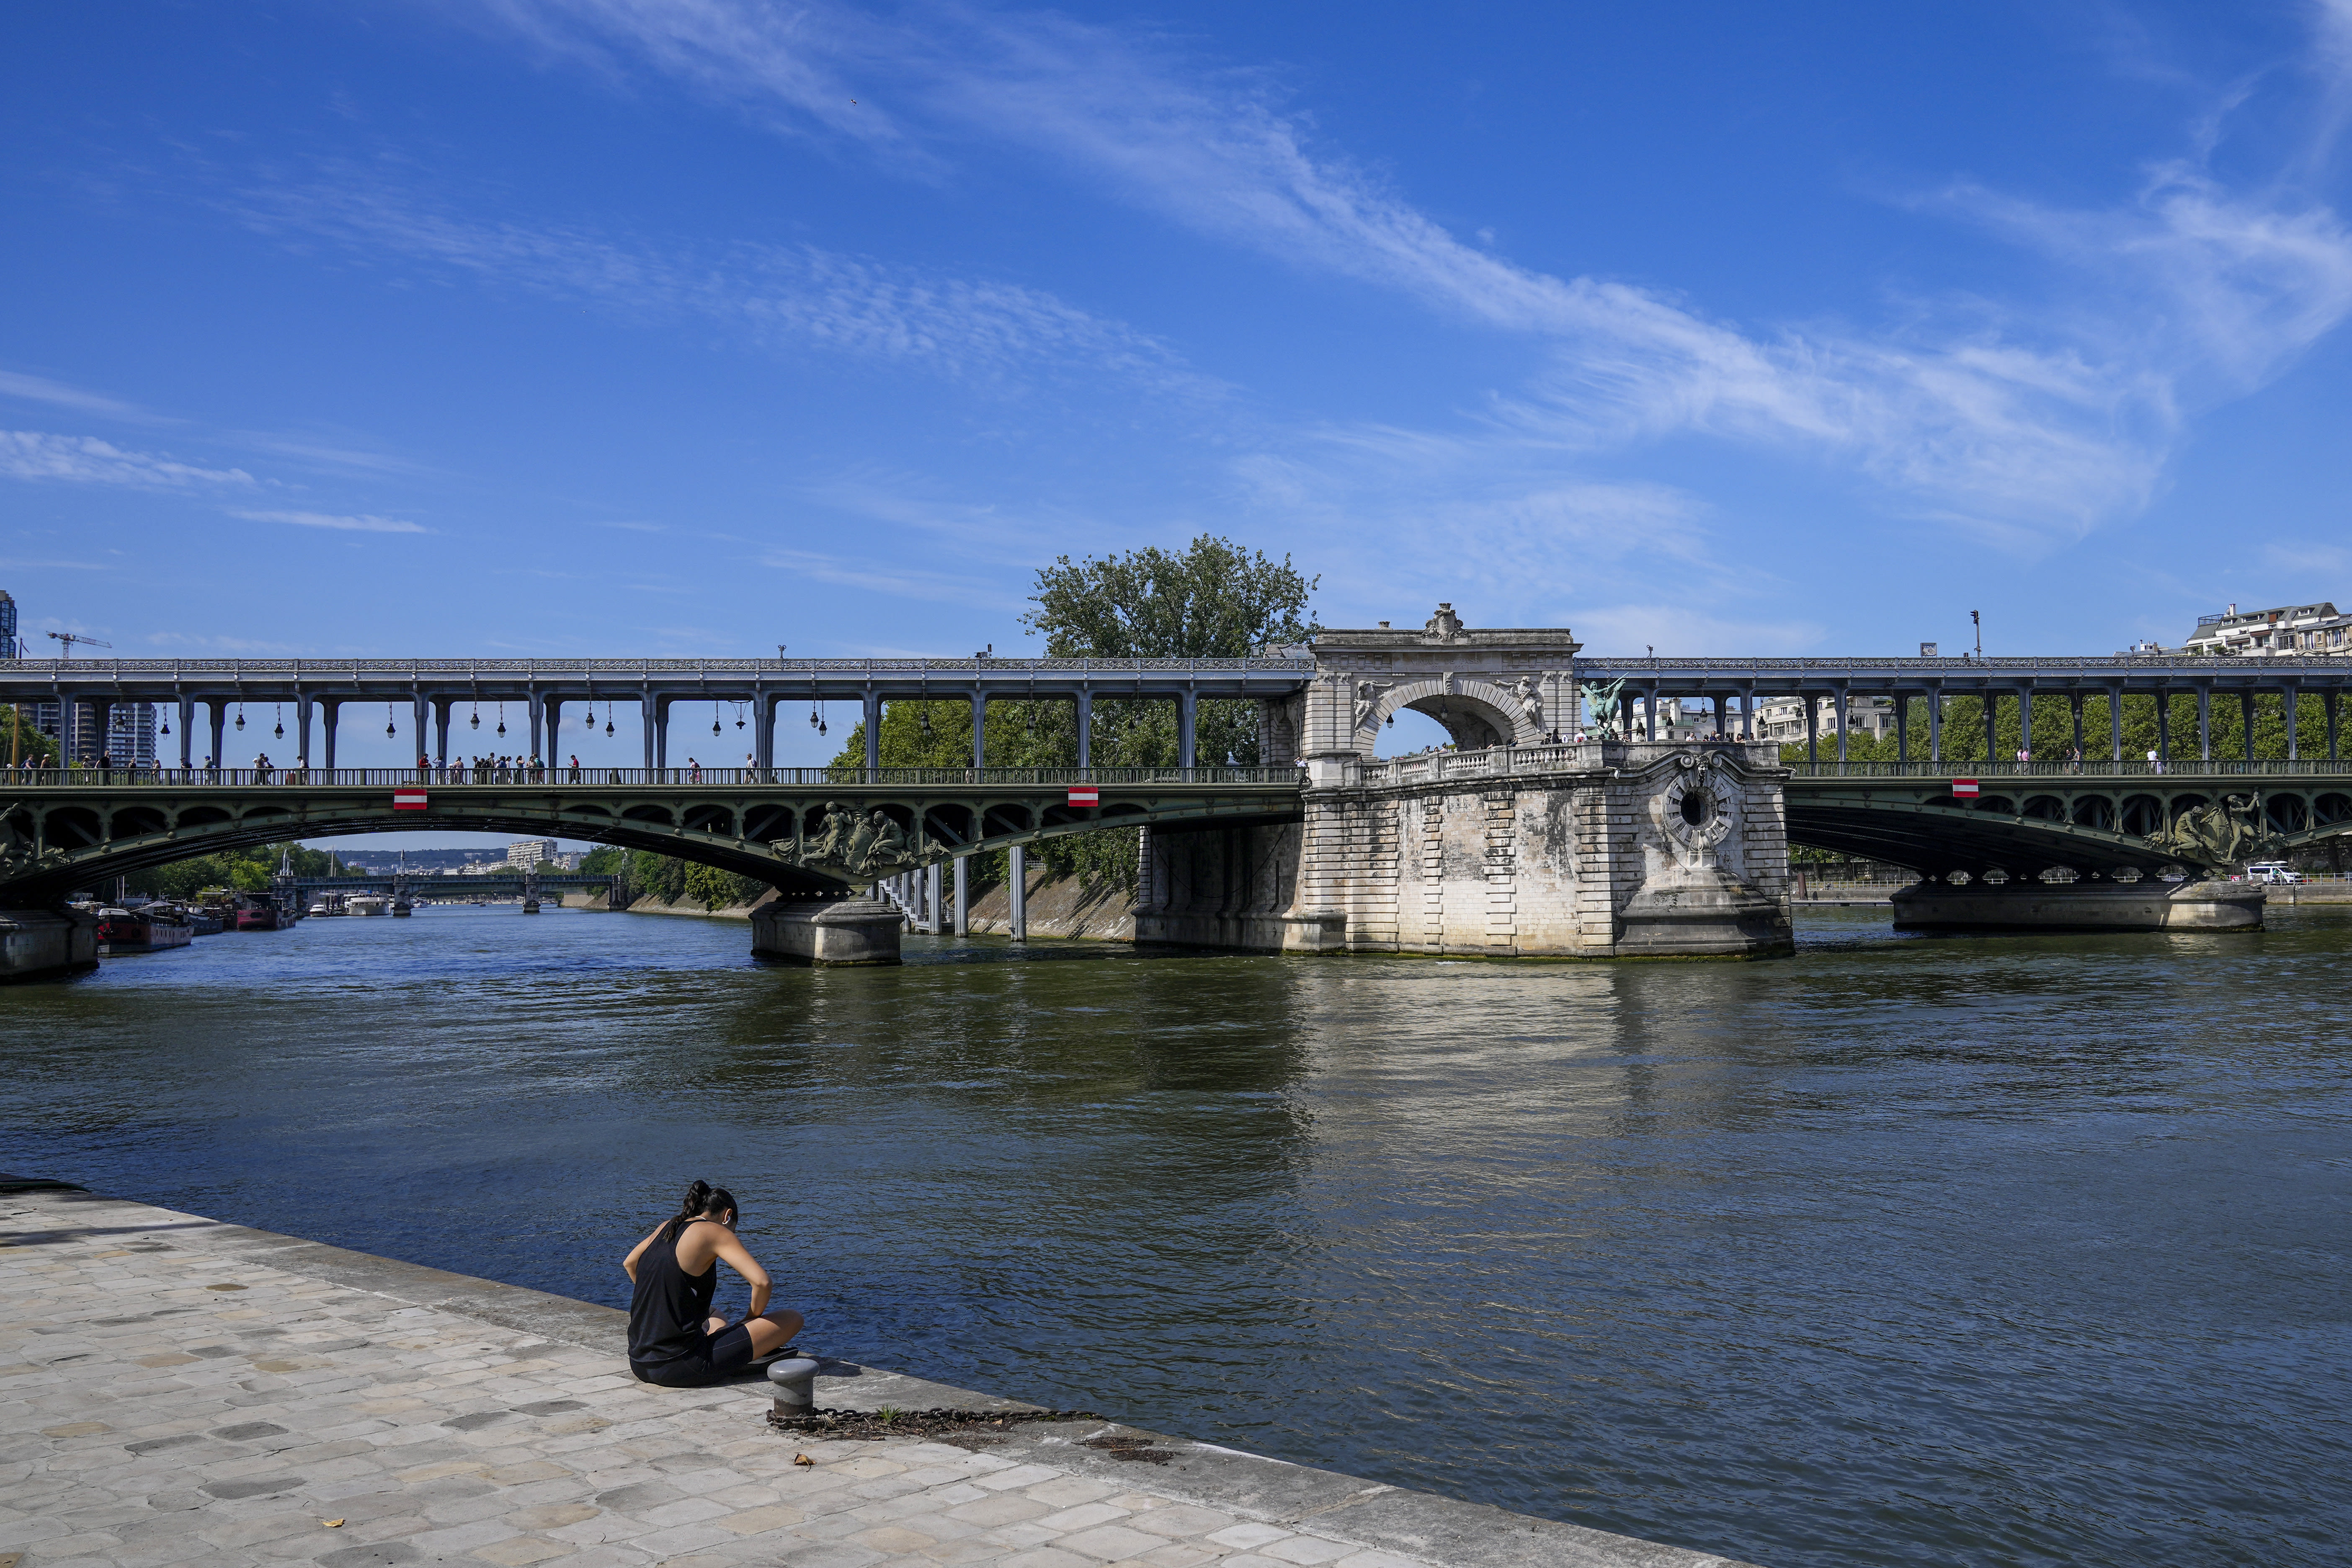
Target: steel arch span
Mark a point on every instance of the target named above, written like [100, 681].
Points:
[2024, 820]
[66, 831]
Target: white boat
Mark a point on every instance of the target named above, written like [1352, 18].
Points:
[368, 904]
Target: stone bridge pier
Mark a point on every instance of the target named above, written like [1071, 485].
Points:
[1524, 842]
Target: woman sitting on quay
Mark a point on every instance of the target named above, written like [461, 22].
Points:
[674, 1341]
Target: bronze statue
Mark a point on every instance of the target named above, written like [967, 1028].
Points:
[2216, 834]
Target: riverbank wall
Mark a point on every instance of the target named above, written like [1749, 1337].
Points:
[172, 1378]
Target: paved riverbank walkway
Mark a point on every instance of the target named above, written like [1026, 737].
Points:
[174, 1390]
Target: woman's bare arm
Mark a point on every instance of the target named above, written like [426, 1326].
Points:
[739, 1258]
[629, 1263]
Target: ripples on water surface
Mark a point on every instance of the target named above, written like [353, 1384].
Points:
[1904, 1251]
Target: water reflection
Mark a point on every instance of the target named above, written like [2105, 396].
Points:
[1910, 1250]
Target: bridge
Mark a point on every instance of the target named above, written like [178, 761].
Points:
[489, 885]
[1546, 833]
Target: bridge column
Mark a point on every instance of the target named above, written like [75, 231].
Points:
[1991, 725]
[2074, 702]
[2115, 719]
[763, 732]
[220, 730]
[1838, 702]
[441, 734]
[422, 707]
[1087, 729]
[188, 730]
[536, 706]
[302, 731]
[933, 904]
[1188, 710]
[2205, 723]
[2328, 702]
[1722, 715]
[554, 723]
[1748, 714]
[873, 730]
[1019, 858]
[330, 711]
[2164, 723]
[1935, 725]
[1624, 717]
[1902, 727]
[2288, 695]
[963, 895]
[2246, 707]
[650, 713]
[1812, 728]
[979, 756]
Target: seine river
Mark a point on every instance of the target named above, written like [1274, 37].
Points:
[1915, 1251]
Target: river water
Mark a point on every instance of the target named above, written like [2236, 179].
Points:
[1916, 1251]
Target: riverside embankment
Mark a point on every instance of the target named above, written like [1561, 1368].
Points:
[182, 1391]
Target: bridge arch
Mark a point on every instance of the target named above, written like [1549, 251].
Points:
[1475, 713]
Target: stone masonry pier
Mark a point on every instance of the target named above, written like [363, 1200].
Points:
[174, 1390]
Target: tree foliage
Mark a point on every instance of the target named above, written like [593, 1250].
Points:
[2052, 730]
[247, 870]
[21, 741]
[1212, 600]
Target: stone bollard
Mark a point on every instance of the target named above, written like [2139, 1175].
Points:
[793, 1380]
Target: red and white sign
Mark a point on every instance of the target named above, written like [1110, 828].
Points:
[408, 799]
[1084, 795]
[1964, 789]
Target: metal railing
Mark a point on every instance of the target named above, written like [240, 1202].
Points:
[564, 669]
[460, 777]
[2103, 768]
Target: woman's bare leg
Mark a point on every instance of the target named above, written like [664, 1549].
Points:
[714, 1325]
[774, 1331]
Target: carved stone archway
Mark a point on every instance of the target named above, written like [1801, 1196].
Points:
[1474, 713]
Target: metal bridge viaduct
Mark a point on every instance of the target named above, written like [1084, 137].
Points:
[1524, 841]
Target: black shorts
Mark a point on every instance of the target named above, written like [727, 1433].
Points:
[720, 1355]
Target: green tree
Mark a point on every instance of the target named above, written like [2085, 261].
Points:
[1213, 600]
[22, 742]
[2052, 730]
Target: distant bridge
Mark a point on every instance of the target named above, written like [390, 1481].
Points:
[493, 885]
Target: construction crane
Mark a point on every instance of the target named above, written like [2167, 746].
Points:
[69, 638]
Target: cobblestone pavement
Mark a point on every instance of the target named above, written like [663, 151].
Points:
[169, 1396]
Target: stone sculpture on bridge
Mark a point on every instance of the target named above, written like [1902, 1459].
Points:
[858, 846]
[2227, 831]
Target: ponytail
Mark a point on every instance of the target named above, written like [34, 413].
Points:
[702, 1201]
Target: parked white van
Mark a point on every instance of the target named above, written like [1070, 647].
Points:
[2272, 871]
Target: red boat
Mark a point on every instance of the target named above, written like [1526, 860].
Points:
[144, 931]
[258, 914]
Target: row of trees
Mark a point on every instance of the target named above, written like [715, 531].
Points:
[247, 870]
[2052, 730]
[644, 874]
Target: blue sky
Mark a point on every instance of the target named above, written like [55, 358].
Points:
[685, 327]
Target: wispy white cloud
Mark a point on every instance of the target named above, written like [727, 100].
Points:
[2025, 422]
[86, 460]
[906, 582]
[57, 395]
[214, 643]
[774, 296]
[362, 524]
[17, 563]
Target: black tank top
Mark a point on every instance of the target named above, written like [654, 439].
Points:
[671, 1308]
